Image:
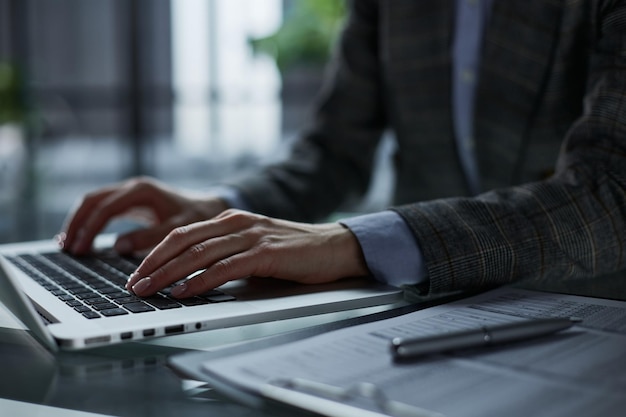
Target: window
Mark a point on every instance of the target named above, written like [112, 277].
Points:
[176, 89]
[118, 87]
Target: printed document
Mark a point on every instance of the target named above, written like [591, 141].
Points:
[577, 372]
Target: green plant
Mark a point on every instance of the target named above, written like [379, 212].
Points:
[306, 36]
[11, 97]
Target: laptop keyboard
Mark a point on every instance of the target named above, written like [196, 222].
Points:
[94, 285]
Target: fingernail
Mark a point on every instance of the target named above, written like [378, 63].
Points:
[142, 286]
[130, 278]
[123, 246]
[60, 239]
[179, 290]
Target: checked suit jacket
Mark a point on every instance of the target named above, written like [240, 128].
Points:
[549, 132]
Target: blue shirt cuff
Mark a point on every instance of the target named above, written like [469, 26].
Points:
[390, 249]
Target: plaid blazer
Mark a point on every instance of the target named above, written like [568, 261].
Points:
[550, 138]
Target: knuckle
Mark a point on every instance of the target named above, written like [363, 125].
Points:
[141, 184]
[264, 246]
[232, 215]
[177, 234]
[239, 217]
[231, 211]
[224, 267]
[242, 217]
[140, 180]
[91, 195]
[197, 251]
[93, 200]
[266, 243]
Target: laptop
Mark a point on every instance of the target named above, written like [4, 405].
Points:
[73, 303]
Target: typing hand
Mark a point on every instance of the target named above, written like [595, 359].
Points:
[163, 208]
[237, 244]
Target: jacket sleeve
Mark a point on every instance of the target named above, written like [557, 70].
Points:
[331, 162]
[570, 225]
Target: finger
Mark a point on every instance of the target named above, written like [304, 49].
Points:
[59, 239]
[189, 261]
[80, 213]
[238, 266]
[93, 222]
[116, 203]
[184, 237]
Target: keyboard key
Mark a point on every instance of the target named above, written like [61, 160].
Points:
[73, 286]
[102, 286]
[95, 301]
[91, 314]
[64, 297]
[87, 296]
[113, 312]
[110, 290]
[94, 285]
[118, 294]
[194, 301]
[82, 290]
[105, 306]
[138, 307]
[120, 281]
[162, 303]
[129, 299]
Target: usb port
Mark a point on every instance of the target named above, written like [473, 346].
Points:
[174, 329]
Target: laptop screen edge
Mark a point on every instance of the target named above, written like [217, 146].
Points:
[14, 298]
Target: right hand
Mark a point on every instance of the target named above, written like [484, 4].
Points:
[166, 208]
[239, 244]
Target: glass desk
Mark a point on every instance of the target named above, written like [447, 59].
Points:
[134, 380]
[130, 379]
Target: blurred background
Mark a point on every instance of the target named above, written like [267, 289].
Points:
[188, 91]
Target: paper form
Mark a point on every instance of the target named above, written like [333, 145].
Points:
[581, 371]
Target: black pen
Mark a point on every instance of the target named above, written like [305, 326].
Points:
[409, 348]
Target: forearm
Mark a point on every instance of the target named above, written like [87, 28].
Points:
[541, 231]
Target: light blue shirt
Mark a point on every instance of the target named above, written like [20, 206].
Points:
[391, 252]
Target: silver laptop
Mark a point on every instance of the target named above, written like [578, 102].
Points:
[74, 303]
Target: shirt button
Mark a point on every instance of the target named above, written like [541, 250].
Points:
[472, 2]
[469, 143]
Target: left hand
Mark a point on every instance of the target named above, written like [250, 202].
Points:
[237, 244]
